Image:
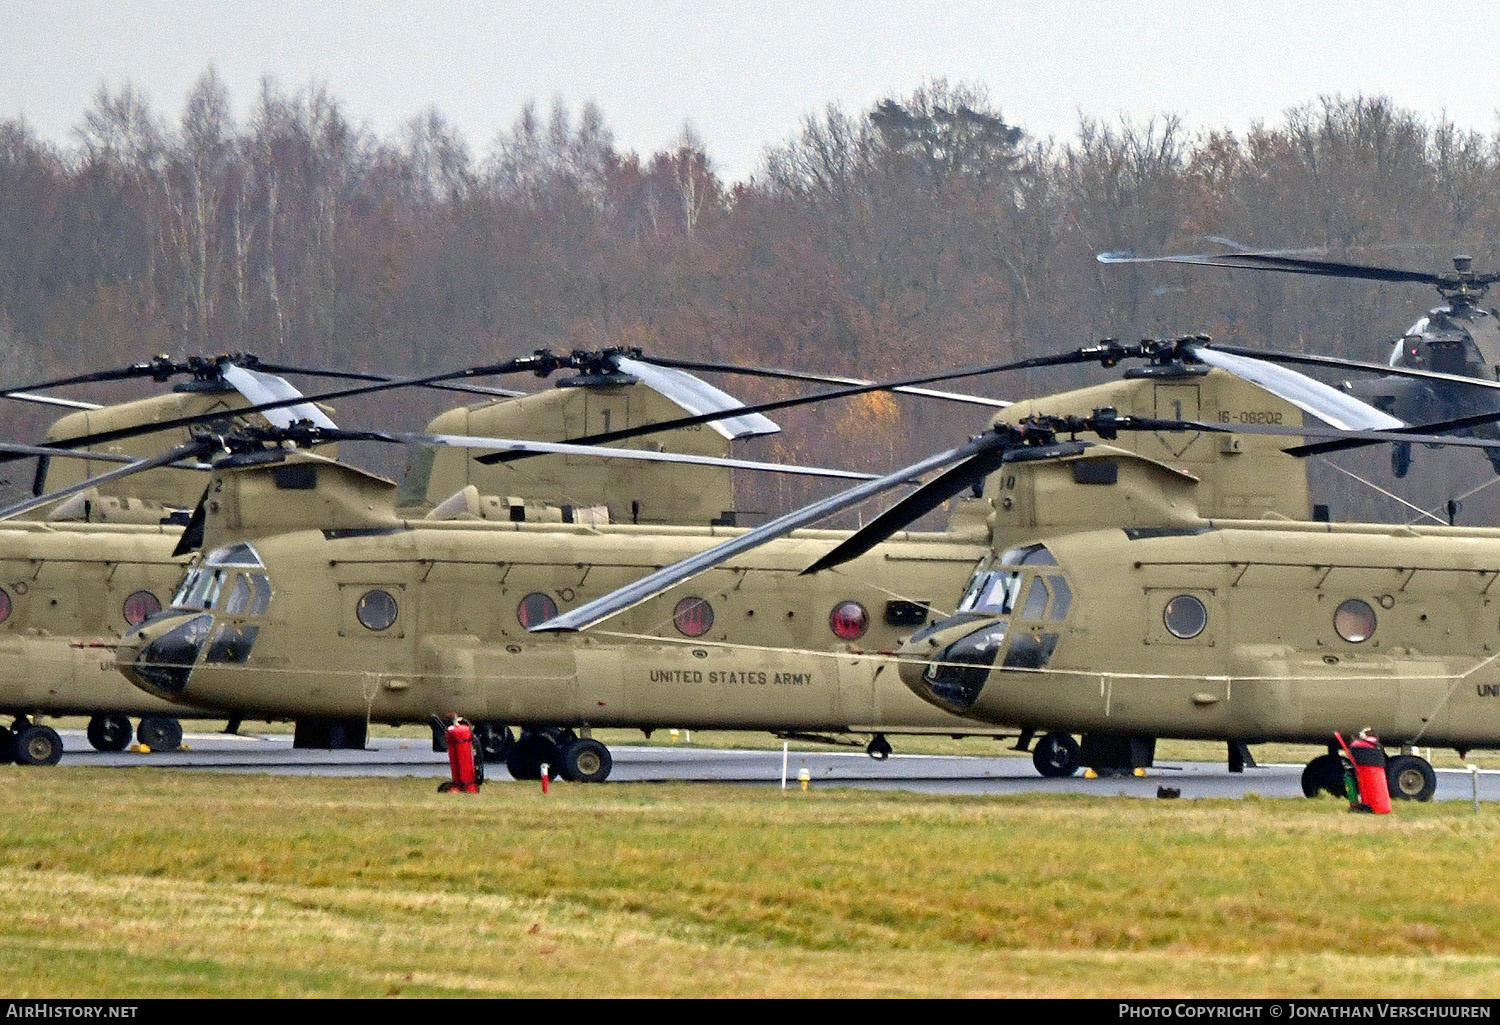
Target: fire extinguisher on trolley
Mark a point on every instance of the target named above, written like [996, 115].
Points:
[465, 761]
[1367, 760]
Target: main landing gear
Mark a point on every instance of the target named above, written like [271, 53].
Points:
[1410, 777]
[566, 755]
[30, 743]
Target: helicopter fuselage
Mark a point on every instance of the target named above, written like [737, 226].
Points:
[1230, 630]
[397, 625]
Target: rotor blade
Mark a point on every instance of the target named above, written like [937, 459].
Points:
[119, 374]
[915, 505]
[1287, 264]
[795, 375]
[193, 448]
[258, 387]
[1329, 404]
[52, 400]
[518, 365]
[1338, 363]
[350, 375]
[1088, 354]
[1439, 428]
[13, 448]
[696, 396]
[653, 584]
[564, 448]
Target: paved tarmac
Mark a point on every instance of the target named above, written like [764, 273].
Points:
[412, 756]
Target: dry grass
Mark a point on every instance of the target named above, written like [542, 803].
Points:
[147, 883]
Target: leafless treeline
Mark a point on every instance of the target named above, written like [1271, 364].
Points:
[923, 233]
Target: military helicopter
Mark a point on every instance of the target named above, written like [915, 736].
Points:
[74, 576]
[1126, 625]
[1458, 341]
[434, 616]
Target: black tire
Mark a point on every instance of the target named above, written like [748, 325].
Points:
[1401, 458]
[1324, 773]
[495, 740]
[529, 753]
[879, 748]
[7, 746]
[110, 733]
[1410, 778]
[160, 733]
[585, 761]
[1056, 755]
[38, 745]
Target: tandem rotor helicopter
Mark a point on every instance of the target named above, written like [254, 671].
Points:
[611, 390]
[1007, 624]
[74, 578]
[1433, 367]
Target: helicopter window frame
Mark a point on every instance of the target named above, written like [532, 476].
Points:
[693, 616]
[1356, 617]
[1028, 555]
[240, 554]
[1188, 620]
[240, 595]
[260, 584]
[1062, 597]
[1038, 597]
[377, 609]
[131, 609]
[527, 607]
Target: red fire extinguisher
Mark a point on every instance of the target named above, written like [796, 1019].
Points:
[1368, 759]
[466, 770]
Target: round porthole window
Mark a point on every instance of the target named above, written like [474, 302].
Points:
[1354, 620]
[693, 617]
[1185, 617]
[535, 608]
[376, 610]
[141, 606]
[848, 620]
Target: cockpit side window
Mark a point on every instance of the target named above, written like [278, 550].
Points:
[1030, 555]
[238, 601]
[240, 554]
[1036, 600]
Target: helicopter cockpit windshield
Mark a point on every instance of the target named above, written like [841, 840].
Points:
[1015, 607]
[1446, 341]
[227, 587]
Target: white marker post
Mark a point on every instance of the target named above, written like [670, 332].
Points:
[783, 764]
[1474, 775]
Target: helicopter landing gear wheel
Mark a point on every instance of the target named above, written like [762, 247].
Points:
[1411, 778]
[1401, 459]
[495, 740]
[529, 753]
[879, 748]
[1056, 755]
[1324, 773]
[160, 733]
[109, 733]
[38, 745]
[585, 761]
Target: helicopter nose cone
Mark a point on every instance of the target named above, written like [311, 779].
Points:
[160, 657]
[948, 662]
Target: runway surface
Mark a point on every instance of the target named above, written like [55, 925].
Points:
[934, 774]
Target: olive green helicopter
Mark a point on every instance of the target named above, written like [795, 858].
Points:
[602, 394]
[376, 617]
[76, 574]
[1123, 602]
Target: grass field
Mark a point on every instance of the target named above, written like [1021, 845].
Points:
[147, 883]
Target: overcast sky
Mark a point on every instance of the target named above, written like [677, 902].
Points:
[745, 73]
